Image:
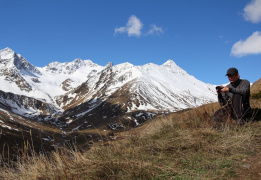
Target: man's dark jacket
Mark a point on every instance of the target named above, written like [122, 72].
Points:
[241, 87]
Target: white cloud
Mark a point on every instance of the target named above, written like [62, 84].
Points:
[155, 30]
[252, 12]
[133, 27]
[252, 45]
[120, 30]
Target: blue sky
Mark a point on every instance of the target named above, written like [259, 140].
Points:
[203, 37]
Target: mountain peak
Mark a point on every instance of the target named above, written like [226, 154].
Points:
[174, 67]
[69, 67]
[169, 63]
[10, 60]
[108, 65]
[7, 53]
[7, 49]
[79, 61]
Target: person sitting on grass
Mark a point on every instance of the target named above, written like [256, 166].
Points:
[234, 98]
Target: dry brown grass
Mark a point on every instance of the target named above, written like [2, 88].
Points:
[256, 87]
[183, 145]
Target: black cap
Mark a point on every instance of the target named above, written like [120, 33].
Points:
[232, 71]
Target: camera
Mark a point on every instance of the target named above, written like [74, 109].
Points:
[218, 88]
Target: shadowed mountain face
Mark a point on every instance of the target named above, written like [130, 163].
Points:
[81, 94]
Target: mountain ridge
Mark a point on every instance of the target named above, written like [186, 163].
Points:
[84, 87]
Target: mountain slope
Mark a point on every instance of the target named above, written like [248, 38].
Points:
[77, 91]
[149, 87]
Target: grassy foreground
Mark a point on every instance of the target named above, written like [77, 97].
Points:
[183, 145]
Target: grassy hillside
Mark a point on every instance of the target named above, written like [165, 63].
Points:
[184, 145]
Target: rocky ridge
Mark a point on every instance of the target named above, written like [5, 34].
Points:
[81, 94]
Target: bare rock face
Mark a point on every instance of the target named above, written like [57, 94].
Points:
[32, 106]
[66, 85]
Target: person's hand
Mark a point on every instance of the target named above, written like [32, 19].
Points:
[224, 89]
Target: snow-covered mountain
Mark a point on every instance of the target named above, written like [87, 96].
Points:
[78, 91]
